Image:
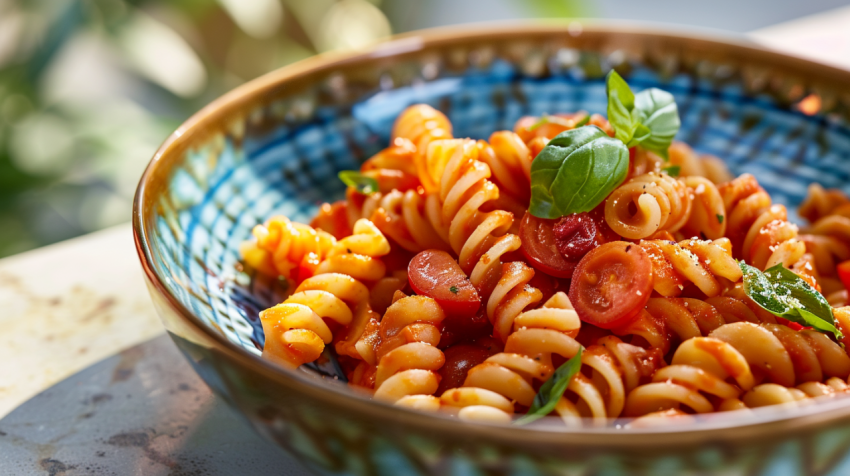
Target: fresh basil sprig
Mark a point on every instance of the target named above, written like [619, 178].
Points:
[360, 182]
[552, 390]
[782, 293]
[575, 172]
[649, 118]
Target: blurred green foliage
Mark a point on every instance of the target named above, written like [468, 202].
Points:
[90, 88]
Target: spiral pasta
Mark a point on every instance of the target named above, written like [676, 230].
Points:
[700, 262]
[693, 165]
[759, 231]
[480, 237]
[280, 245]
[407, 352]
[660, 202]
[700, 367]
[493, 385]
[421, 124]
[296, 330]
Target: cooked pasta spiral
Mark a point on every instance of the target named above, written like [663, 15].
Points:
[700, 262]
[296, 330]
[611, 369]
[491, 387]
[820, 203]
[421, 124]
[510, 163]
[480, 237]
[693, 165]
[280, 245]
[708, 214]
[660, 202]
[760, 232]
[700, 365]
[407, 352]
[784, 356]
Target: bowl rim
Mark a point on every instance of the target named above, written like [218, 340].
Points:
[764, 421]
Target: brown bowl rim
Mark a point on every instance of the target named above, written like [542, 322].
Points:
[233, 103]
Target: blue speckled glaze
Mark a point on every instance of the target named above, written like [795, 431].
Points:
[284, 157]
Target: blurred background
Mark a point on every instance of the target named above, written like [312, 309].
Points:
[90, 88]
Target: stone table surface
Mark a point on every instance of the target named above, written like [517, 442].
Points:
[66, 306]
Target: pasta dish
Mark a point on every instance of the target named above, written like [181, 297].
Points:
[580, 266]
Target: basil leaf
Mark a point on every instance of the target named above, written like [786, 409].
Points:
[552, 390]
[806, 299]
[576, 171]
[583, 121]
[674, 171]
[784, 294]
[621, 102]
[360, 182]
[657, 111]
[760, 290]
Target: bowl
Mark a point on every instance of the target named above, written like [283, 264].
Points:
[275, 145]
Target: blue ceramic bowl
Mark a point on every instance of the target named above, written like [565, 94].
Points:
[275, 145]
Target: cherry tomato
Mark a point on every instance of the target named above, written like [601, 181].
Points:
[540, 247]
[459, 359]
[844, 273]
[436, 274]
[611, 284]
[575, 235]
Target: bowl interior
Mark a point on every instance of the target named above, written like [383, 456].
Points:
[280, 152]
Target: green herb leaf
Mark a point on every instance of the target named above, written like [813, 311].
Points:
[453, 289]
[576, 171]
[719, 218]
[674, 171]
[621, 102]
[649, 118]
[552, 390]
[657, 111]
[784, 294]
[360, 182]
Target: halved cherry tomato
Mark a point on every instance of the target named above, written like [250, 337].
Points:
[611, 284]
[844, 273]
[556, 246]
[540, 247]
[459, 359]
[436, 274]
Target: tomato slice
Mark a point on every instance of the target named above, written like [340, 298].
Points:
[611, 284]
[844, 273]
[556, 246]
[540, 247]
[436, 274]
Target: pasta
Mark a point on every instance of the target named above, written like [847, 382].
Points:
[440, 282]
